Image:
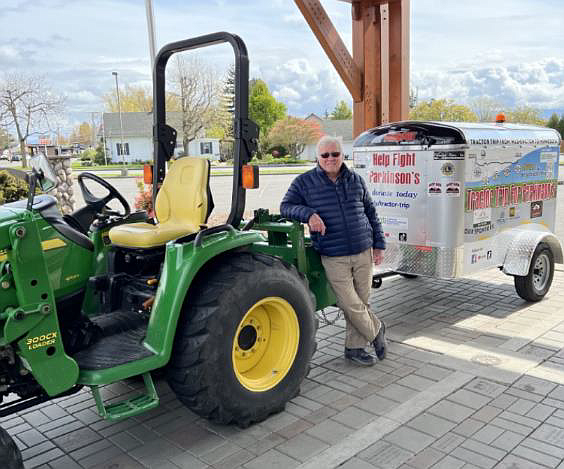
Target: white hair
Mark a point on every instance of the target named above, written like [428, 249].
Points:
[327, 140]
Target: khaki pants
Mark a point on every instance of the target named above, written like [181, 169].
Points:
[351, 280]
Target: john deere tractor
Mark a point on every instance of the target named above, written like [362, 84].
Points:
[99, 296]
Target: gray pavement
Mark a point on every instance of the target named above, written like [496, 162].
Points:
[474, 379]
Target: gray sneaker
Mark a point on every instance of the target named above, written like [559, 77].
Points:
[359, 356]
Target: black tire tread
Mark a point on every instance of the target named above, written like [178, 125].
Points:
[191, 355]
[523, 284]
[10, 456]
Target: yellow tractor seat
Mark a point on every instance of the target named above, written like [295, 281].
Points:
[183, 204]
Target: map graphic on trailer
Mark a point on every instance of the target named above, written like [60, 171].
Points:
[540, 164]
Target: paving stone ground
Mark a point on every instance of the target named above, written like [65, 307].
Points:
[474, 379]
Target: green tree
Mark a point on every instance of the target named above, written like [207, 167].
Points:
[556, 123]
[525, 115]
[82, 133]
[294, 134]
[442, 110]
[342, 111]
[553, 121]
[264, 109]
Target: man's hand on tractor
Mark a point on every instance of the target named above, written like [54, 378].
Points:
[316, 224]
[377, 256]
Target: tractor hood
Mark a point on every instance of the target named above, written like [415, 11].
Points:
[8, 216]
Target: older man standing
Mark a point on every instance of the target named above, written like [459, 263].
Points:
[345, 230]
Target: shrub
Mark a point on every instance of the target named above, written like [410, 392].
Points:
[11, 188]
[144, 199]
[278, 151]
[99, 156]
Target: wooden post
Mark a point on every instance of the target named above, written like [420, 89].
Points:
[399, 60]
[377, 75]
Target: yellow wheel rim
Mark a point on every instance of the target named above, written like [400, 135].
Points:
[265, 344]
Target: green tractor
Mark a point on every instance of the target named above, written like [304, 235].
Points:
[100, 296]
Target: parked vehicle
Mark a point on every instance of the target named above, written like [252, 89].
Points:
[456, 198]
[99, 296]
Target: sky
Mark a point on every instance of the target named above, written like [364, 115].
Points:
[507, 50]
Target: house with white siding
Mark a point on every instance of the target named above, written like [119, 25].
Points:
[138, 138]
[341, 129]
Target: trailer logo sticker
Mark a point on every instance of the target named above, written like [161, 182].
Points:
[435, 188]
[482, 215]
[536, 209]
[448, 169]
[402, 237]
[40, 341]
[512, 194]
[453, 189]
[394, 222]
[448, 155]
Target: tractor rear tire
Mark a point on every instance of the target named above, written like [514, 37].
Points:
[9, 453]
[244, 340]
[535, 285]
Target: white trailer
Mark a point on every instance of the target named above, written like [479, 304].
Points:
[456, 198]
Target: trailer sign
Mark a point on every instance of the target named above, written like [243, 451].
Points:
[467, 198]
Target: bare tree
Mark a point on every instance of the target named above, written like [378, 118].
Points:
[486, 108]
[196, 88]
[26, 105]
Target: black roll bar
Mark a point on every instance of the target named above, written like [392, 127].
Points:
[245, 130]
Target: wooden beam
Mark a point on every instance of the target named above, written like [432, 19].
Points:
[372, 65]
[329, 38]
[399, 60]
[358, 56]
[385, 63]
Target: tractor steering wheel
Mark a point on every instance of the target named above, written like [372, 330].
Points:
[99, 204]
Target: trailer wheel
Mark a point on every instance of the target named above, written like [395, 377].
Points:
[245, 339]
[9, 453]
[535, 285]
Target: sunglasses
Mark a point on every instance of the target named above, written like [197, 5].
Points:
[334, 154]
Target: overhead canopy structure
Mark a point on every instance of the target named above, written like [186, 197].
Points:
[377, 74]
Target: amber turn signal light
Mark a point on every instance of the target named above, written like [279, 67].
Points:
[148, 174]
[250, 176]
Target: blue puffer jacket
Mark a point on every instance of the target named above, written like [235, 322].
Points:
[345, 207]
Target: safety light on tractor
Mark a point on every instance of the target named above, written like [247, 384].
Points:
[500, 118]
[250, 176]
[148, 174]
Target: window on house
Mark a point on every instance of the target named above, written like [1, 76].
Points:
[124, 151]
[205, 148]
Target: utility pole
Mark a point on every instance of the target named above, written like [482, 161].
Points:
[124, 170]
[92, 131]
[151, 31]
[104, 140]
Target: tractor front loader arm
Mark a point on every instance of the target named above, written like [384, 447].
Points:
[33, 322]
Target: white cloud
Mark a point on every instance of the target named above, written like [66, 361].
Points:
[537, 84]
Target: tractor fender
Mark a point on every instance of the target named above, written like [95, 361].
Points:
[183, 262]
[520, 246]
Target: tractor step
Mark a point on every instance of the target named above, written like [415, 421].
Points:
[128, 407]
[119, 341]
[115, 350]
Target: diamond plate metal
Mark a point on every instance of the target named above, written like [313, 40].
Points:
[423, 260]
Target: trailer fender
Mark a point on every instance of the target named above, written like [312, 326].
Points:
[521, 246]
